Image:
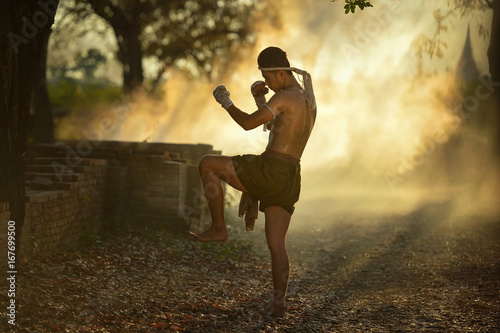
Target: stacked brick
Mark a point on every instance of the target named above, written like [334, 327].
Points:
[116, 194]
[75, 188]
[162, 181]
[61, 208]
[165, 186]
[157, 190]
[195, 208]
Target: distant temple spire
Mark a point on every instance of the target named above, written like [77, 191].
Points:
[466, 68]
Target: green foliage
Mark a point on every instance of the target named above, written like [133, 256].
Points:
[435, 45]
[88, 63]
[84, 65]
[76, 93]
[198, 32]
[193, 35]
[351, 5]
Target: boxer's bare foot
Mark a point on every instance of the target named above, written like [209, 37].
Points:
[210, 235]
[278, 312]
[278, 309]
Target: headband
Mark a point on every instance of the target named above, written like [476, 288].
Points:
[306, 80]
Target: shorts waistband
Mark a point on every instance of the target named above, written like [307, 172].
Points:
[282, 156]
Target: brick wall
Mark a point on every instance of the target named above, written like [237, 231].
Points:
[60, 213]
[76, 188]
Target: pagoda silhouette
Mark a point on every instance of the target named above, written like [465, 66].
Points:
[466, 70]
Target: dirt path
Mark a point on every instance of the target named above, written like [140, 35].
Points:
[415, 272]
[423, 271]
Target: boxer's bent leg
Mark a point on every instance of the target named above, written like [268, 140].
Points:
[214, 170]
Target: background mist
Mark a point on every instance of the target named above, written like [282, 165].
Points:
[387, 135]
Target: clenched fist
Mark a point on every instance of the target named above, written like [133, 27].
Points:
[259, 89]
[221, 95]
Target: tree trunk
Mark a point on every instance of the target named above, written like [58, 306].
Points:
[127, 30]
[44, 122]
[494, 63]
[23, 22]
[494, 46]
[130, 55]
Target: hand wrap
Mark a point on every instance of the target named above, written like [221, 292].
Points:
[259, 100]
[221, 95]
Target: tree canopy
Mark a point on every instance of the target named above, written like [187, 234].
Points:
[193, 35]
[351, 5]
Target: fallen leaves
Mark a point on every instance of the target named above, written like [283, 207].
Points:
[393, 274]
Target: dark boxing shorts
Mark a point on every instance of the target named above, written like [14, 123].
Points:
[273, 178]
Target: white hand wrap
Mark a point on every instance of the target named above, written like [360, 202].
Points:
[221, 95]
[259, 100]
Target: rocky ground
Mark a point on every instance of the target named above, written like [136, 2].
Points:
[420, 271]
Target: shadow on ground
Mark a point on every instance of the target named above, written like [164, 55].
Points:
[426, 270]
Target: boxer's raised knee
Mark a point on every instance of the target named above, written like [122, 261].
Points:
[206, 164]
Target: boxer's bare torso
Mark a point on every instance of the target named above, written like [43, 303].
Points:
[291, 129]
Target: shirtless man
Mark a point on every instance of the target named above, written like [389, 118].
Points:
[272, 177]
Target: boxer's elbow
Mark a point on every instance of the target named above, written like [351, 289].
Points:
[245, 122]
[249, 121]
[246, 126]
[249, 124]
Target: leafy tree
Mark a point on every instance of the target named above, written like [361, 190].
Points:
[89, 62]
[462, 8]
[433, 46]
[350, 5]
[195, 35]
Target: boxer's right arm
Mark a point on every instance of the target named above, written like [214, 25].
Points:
[245, 120]
[259, 90]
